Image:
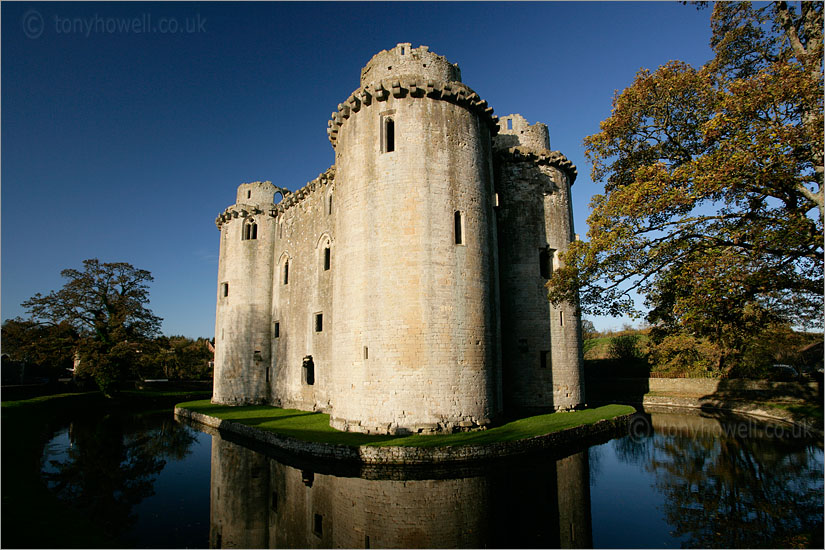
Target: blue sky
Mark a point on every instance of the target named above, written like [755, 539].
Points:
[125, 145]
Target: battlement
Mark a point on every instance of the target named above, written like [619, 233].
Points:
[410, 87]
[547, 158]
[408, 61]
[515, 131]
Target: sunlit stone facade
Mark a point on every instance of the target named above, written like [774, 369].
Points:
[403, 289]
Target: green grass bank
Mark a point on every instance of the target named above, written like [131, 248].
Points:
[314, 426]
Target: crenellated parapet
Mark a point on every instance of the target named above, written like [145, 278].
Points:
[290, 199]
[546, 158]
[410, 87]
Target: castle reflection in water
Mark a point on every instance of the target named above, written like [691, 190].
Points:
[258, 501]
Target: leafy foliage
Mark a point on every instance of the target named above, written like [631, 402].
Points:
[625, 347]
[49, 348]
[713, 203]
[106, 304]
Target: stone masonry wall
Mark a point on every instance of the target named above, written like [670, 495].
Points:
[416, 320]
[541, 343]
[392, 286]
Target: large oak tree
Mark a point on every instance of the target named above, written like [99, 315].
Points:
[107, 304]
[713, 201]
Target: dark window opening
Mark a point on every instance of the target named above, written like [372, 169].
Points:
[509, 123]
[276, 330]
[319, 322]
[250, 231]
[329, 205]
[267, 375]
[546, 262]
[318, 525]
[561, 318]
[308, 477]
[389, 135]
[326, 259]
[366, 541]
[366, 352]
[218, 541]
[249, 194]
[459, 227]
[545, 359]
[286, 272]
[309, 375]
[225, 289]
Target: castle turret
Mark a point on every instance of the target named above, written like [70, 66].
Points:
[542, 361]
[243, 320]
[416, 329]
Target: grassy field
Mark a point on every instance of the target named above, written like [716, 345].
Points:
[314, 426]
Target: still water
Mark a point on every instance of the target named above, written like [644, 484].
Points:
[675, 481]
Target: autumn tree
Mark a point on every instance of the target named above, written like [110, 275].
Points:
[713, 178]
[106, 303]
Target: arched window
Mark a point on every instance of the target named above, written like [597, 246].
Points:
[286, 272]
[250, 230]
[327, 257]
[387, 133]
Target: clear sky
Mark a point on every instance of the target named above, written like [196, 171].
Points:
[122, 140]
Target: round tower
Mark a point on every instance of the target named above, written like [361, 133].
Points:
[242, 319]
[415, 335]
[542, 362]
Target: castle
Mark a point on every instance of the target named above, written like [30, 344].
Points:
[403, 289]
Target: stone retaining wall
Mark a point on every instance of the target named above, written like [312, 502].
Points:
[414, 455]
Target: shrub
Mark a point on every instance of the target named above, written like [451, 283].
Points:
[625, 348]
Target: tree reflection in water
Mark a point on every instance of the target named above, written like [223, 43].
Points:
[732, 485]
[112, 463]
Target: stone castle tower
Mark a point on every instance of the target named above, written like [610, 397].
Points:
[403, 289]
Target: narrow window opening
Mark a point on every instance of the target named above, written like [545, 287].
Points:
[250, 230]
[218, 541]
[309, 375]
[319, 322]
[545, 359]
[276, 330]
[329, 206]
[366, 352]
[267, 375]
[286, 272]
[389, 135]
[509, 123]
[249, 194]
[318, 527]
[459, 227]
[225, 289]
[326, 258]
[546, 262]
[308, 477]
[402, 50]
[561, 318]
[366, 541]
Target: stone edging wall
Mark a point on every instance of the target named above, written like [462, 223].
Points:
[413, 455]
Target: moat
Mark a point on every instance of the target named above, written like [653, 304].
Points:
[677, 480]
